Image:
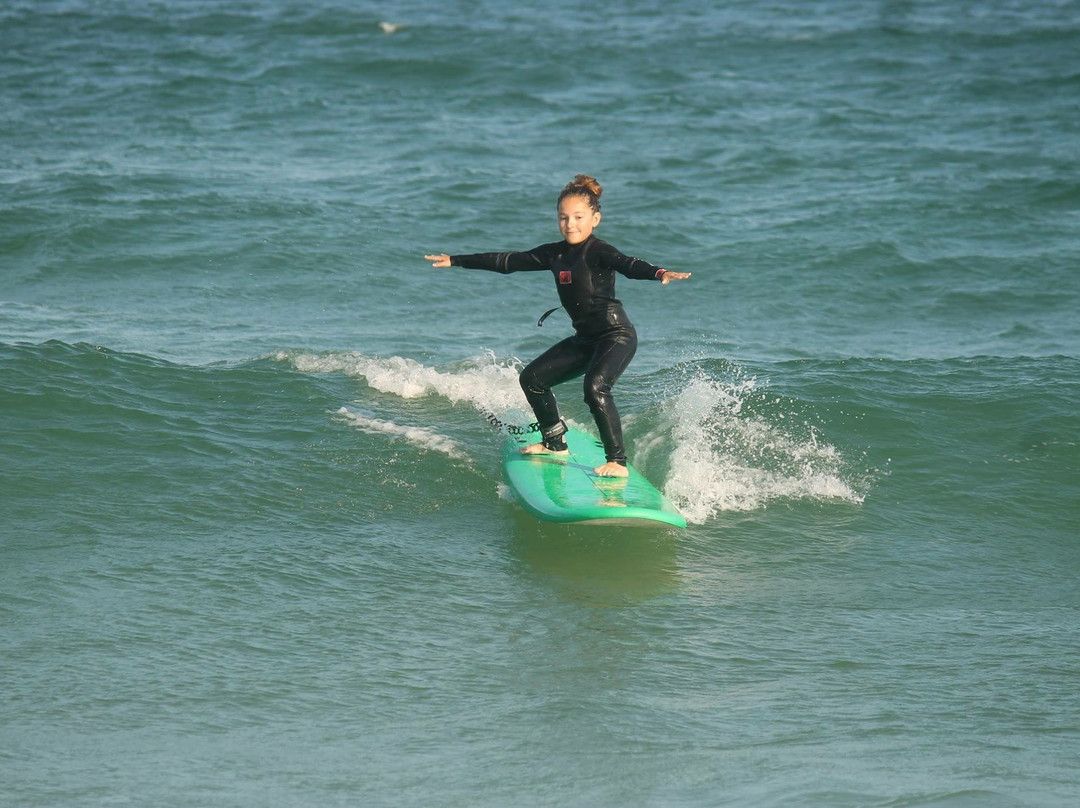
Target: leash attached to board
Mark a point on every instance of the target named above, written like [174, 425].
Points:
[510, 429]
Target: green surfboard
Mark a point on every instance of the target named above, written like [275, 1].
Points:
[564, 488]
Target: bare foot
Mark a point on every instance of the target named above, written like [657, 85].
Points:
[541, 449]
[611, 470]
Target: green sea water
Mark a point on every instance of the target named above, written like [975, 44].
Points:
[255, 545]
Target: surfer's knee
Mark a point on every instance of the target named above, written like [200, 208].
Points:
[597, 393]
[529, 383]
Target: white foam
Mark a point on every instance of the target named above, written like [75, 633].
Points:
[721, 456]
[418, 436]
[727, 460]
[483, 382]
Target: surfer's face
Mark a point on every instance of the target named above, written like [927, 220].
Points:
[577, 219]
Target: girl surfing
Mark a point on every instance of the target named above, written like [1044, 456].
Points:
[604, 339]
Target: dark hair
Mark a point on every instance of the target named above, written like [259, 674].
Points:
[583, 185]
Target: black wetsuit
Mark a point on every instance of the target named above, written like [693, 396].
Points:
[604, 339]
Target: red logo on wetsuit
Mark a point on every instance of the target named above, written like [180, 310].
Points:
[565, 276]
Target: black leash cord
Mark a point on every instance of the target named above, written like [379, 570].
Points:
[510, 429]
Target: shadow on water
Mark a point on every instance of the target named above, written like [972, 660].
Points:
[603, 565]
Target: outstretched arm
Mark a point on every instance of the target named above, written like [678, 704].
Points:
[634, 267]
[503, 262]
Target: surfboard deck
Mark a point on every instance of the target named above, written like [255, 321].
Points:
[564, 488]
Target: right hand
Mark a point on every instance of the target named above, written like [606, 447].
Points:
[439, 259]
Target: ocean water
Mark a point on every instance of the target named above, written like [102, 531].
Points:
[255, 548]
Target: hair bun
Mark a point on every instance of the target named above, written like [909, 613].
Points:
[585, 182]
[583, 185]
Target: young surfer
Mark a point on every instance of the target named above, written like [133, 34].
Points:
[604, 340]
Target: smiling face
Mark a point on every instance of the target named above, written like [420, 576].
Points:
[577, 219]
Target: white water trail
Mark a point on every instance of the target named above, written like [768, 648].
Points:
[418, 436]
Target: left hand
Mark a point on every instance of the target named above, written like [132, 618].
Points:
[670, 276]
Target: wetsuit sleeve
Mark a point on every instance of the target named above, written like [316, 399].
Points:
[608, 256]
[504, 262]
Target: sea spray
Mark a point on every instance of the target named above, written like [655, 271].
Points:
[728, 457]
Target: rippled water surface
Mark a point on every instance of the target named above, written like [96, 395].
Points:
[255, 546]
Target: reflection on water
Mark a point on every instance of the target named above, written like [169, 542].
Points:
[606, 565]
